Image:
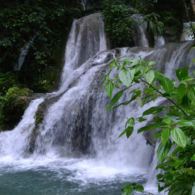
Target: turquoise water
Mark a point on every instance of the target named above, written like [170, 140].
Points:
[46, 182]
[59, 178]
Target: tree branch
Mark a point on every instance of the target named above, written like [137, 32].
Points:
[158, 91]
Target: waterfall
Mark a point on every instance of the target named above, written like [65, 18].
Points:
[23, 54]
[86, 38]
[84, 4]
[159, 41]
[76, 133]
[187, 34]
[141, 38]
[152, 181]
[15, 144]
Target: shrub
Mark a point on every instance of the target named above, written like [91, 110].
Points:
[119, 24]
[7, 80]
[12, 106]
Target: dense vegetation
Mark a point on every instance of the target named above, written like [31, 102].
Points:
[44, 25]
[173, 121]
[163, 18]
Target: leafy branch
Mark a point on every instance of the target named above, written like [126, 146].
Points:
[174, 123]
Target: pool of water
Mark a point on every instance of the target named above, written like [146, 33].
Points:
[64, 177]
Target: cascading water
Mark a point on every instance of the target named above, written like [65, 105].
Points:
[83, 3]
[86, 38]
[77, 149]
[141, 40]
[187, 34]
[15, 143]
[159, 41]
[23, 54]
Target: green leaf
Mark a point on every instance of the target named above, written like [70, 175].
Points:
[179, 137]
[163, 151]
[150, 76]
[191, 93]
[139, 188]
[180, 91]
[159, 75]
[125, 60]
[136, 93]
[113, 63]
[167, 85]
[186, 102]
[109, 88]
[186, 123]
[182, 74]
[129, 127]
[193, 157]
[139, 101]
[127, 189]
[168, 121]
[149, 127]
[130, 122]
[114, 100]
[126, 77]
[105, 79]
[134, 62]
[165, 135]
[141, 119]
[152, 63]
[128, 131]
[152, 110]
[157, 135]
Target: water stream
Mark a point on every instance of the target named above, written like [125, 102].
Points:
[76, 148]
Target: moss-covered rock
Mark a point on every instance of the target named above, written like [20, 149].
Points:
[38, 119]
[39, 116]
[13, 105]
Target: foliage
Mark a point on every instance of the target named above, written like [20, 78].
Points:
[155, 26]
[129, 188]
[12, 106]
[144, 6]
[119, 24]
[46, 23]
[7, 80]
[174, 123]
[172, 25]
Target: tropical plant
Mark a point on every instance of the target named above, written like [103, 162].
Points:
[144, 6]
[173, 123]
[12, 106]
[155, 26]
[118, 22]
